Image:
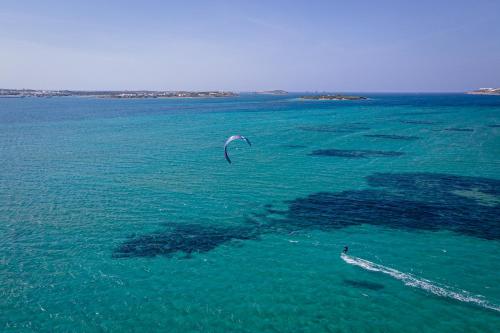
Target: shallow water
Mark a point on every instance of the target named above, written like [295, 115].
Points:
[121, 215]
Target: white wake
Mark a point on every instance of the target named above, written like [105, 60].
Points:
[427, 285]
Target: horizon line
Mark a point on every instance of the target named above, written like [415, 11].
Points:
[250, 91]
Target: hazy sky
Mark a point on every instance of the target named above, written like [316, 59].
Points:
[250, 45]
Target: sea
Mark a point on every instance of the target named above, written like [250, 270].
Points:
[122, 215]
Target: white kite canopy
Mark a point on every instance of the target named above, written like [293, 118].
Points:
[231, 139]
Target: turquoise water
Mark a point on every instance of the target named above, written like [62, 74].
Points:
[122, 215]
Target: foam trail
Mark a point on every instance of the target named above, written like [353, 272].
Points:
[427, 285]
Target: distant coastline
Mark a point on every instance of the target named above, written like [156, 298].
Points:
[20, 93]
[333, 97]
[272, 92]
[484, 91]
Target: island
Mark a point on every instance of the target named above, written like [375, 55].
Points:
[114, 94]
[272, 92]
[333, 97]
[485, 91]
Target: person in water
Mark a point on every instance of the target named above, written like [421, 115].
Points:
[346, 248]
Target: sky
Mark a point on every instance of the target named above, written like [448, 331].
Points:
[338, 46]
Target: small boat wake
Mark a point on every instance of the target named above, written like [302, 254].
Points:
[427, 285]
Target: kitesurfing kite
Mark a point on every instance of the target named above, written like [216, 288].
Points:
[231, 139]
